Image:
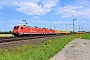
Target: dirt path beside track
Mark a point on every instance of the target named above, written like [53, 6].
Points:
[6, 35]
[78, 49]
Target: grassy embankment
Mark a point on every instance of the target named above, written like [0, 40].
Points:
[83, 36]
[42, 51]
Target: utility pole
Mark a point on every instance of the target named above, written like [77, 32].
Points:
[54, 27]
[66, 25]
[82, 29]
[74, 25]
[79, 28]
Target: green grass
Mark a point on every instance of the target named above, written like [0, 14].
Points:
[83, 36]
[42, 51]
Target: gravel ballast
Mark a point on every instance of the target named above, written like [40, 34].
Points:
[78, 49]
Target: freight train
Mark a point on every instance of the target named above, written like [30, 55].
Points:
[27, 30]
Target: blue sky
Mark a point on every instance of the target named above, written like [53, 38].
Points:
[45, 13]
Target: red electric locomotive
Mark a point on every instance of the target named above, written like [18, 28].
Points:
[27, 30]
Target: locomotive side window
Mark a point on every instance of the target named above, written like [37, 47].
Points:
[21, 27]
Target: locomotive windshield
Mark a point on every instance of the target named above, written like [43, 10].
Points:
[16, 27]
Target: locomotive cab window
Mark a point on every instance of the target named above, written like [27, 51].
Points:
[16, 27]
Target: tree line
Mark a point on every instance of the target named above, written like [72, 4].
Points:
[6, 32]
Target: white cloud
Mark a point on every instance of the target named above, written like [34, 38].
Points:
[67, 22]
[32, 8]
[11, 25]
[86, 13]
[69, 11]
[83, 2]
[61, 22]
[83, 21]
[35, 17]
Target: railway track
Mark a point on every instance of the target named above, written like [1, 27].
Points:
[2, 40]
[6, 43]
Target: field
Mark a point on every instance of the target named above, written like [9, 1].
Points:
[5, 35]
[41, 51]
